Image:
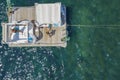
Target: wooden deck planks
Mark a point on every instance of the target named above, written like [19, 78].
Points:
[56, 38]
[23, 13]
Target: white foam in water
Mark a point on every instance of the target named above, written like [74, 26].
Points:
[39, 75]
[107, 55]
[11, 59]
[23, 53]
[34, 57]
[0, 64]
[44, 51]
[0, 46]
[118, 43]
[45, 58]
[51, 51]
[12, 55]
[1, 69]
[1, 52]
[2, 12]
[53, 68]
[77, 46]
[6, 53]
[32, 66]
[32, 50]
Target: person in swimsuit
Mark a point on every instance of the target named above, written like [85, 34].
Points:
[16, 30]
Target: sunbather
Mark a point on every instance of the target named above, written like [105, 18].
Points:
[15, 30]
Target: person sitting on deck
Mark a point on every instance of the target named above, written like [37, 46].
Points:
[50, 31]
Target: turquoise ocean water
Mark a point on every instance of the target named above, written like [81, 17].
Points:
[91, 54]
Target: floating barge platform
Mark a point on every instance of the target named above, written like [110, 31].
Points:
[38, 25]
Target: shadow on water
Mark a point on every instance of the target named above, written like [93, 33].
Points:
[68, 10]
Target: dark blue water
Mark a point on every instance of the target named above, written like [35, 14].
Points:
[91, 54]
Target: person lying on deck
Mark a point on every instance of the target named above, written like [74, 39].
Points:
[14, 30]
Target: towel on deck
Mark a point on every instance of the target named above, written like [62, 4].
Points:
[48, 13]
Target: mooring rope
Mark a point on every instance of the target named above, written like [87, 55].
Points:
[97, 26]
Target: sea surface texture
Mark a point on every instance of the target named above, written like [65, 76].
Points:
[93, 53]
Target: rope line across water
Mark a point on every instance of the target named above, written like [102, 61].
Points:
[98, 26]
